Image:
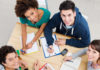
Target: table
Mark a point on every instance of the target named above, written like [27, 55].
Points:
[55, 61]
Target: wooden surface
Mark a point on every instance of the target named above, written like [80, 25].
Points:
[55, 61]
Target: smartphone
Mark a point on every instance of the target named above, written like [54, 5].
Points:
[64, 52]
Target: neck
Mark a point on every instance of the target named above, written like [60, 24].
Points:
[40, 13]
[95, 65]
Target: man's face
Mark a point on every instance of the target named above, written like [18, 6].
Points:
[68, 17]
[11, 61]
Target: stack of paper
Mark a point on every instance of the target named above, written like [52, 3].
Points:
[45, 47]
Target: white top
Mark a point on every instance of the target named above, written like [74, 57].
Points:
[80, 53]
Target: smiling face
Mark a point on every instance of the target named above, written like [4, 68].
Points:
[11, 61]
[93, 54]
[68, 17]
[32, 15]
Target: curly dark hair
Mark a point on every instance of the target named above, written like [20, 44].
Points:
[4, 51]
[23, 5]
[66, 5]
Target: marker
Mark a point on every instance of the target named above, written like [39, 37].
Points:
[39, 43]
[69, 60]
[22, 51]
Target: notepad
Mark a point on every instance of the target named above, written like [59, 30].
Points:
[71, 65]
[43, 67]
[45, 47]
[34, 46]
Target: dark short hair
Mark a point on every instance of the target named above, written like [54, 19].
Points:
[4, 51]
[95, 44]
[66, 5]
[23, 5]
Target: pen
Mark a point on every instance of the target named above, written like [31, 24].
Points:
[22, 51]
[39, 43]
[69, 60]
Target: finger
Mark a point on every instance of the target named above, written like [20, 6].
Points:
[50, 50]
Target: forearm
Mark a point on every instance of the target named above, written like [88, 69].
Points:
[38, 34]
[79, 53]
[24, 38]
[24, 35]
[77, 43]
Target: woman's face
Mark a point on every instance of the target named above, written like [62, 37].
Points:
[11, 61]
[32, 15]
[93, 54]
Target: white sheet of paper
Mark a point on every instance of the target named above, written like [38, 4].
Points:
[45, 46]
[74, 65]
[49, 66]
[34, 47]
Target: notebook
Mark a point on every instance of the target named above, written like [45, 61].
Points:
[34, 46]
[45, 47]
[72, 64]
[43, 67]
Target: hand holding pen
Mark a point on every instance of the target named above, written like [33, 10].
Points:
[50, 49]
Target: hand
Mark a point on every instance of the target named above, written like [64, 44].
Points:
[23, 64]
[50, 49]
[47, 68]
[29, 45]
[60, 41]
[36, 65]
[67, 58]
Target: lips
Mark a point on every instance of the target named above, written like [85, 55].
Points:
[89, 58]
[66, 23]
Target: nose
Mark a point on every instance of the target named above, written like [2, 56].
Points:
[89, 53]
[31, 17]
[15, 60]
[66, 18]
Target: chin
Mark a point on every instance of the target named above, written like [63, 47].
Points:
[16, 66]
[90, 59]
[67, 24]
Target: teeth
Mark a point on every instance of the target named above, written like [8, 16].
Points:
[16, 63]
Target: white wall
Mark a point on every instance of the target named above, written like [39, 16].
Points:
[8, 19]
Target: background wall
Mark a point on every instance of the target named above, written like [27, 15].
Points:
[88, 7]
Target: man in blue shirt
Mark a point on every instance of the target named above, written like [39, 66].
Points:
[70, 22]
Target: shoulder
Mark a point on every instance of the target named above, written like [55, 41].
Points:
[23, 20]
[1, 67]
[46, 11]
[57, 16]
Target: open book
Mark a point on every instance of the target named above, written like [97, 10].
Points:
[72, 64]
[45, 47]
[34, 46]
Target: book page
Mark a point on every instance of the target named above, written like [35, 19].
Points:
[72, 64]
[34, 46]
